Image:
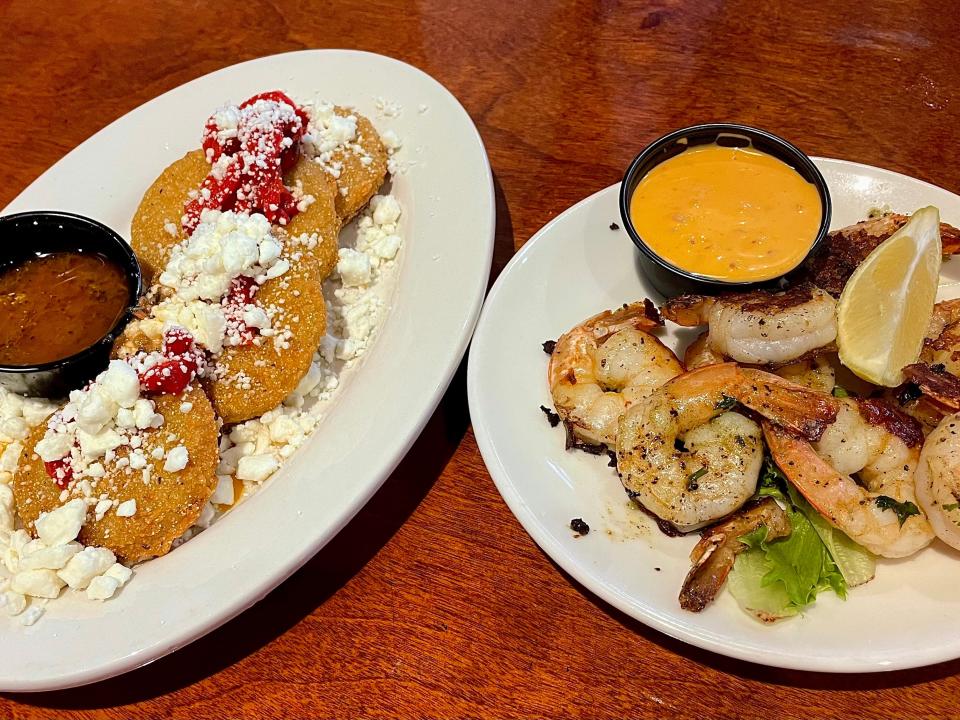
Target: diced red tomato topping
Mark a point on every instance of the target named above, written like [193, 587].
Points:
[266, 144]
[60, 470]
[182, 361]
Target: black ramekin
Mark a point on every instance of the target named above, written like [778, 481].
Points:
[670, 280]
[26, 234]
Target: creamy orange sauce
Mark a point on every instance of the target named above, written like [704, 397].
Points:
[730, 213]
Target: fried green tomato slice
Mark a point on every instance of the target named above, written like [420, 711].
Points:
[167, 504]
[245, 381]
[156, 229]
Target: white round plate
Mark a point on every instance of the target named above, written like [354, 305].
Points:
[448, 223]
[576, 266]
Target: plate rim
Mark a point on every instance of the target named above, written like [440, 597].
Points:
[567, 561]
[194, 629]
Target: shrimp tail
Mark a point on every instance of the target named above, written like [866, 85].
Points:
[638, 315]
[801, 464]
[793, 406]
[713, 557]
[942, 387]
[688, 310]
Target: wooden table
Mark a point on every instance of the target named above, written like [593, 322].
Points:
[434, 602]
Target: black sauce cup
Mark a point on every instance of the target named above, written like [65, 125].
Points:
[23, 236]
[670, 280]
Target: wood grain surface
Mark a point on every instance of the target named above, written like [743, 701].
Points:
[434, 602]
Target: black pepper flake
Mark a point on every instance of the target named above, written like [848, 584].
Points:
[613, 458]
[614, 226]
[549, 346]
[657, 569]
[579, 526]
[552, 417]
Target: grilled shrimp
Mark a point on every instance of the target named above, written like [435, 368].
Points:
[605, 364]
[936, 375]
[699, 353]
[872, 442]
[815, 373]
[942, 344]
[938, 480]
[689, 461]
[846, 248]
[760, 327]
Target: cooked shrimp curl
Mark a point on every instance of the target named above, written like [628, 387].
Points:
[687, 459]
[759, 327]
[602, 366]
[938, 480]
[853, 448]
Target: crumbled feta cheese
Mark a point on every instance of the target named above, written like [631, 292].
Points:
[102, 587]
[86, 565]
[14, 602]
[224, 245]
[256, 468]
[128, 508]
[354, 268]
[177, 459]
[390, 141]
[54, 446]
[31, 615]
[49, 558]
[101, 509]
[223, 494]
[120, 573]
[60, 526]
[37, 583]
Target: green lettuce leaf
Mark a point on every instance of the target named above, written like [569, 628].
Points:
[767, 602]
[857, 564]
[777, 579]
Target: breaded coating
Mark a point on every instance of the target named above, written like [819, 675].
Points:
[167, 504]
[358, 182]
[320, 217]
[161, 210]
[249, 380]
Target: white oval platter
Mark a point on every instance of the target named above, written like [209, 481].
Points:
[446, 191]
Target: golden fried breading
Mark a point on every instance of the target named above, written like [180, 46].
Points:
[166, 505]
[358, 182]
[162, 205]
[251, 379]
[320, 217]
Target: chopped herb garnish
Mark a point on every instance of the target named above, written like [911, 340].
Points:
[725, 403]
[692, 480]
[902, 509]
[839, 392]
[951, 506]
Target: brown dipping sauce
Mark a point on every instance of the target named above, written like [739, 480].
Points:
[53, 306]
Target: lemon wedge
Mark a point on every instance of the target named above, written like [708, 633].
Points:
[887, 303]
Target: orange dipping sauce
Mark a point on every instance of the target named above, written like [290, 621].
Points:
[727, 213]
[55, 305]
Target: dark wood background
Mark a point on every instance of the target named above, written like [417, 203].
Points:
[434, 602]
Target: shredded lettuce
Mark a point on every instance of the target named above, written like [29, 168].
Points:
[777, 579]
